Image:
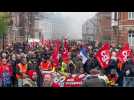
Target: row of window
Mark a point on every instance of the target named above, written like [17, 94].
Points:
[131, 35]
[130, 16]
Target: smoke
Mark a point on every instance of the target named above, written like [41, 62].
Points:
[67, 24]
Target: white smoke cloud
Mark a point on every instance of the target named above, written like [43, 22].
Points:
[72, 22]
[76, 21]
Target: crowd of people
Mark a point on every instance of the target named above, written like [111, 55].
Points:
[25, 65]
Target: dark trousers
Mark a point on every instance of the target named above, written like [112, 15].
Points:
[120, 81]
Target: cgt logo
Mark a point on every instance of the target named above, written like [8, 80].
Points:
[105, 57]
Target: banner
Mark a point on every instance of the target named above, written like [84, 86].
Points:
[73, 82]
[124, 53]
[103, 56]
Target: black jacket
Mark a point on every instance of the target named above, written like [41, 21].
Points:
[129, 66]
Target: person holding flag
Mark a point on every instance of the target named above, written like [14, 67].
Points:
[124, 53]
[83, 54]
[85, 60]
[55, 56]
[125, 66]
[65, 59]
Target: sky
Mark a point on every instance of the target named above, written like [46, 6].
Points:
[78, 18]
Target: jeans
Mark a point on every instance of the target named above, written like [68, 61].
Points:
[128, 82]
[20, 82]
[0, 82]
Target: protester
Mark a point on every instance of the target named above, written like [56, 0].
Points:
[34, 71]
[21, 71]
[128, 73]
[45, 64]
[13, 64]
[6, 73]
[94, 79]
[47, 80]
[113, 77]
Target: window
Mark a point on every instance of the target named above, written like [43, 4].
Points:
[131, 39]
[116, 16]
[130, 15]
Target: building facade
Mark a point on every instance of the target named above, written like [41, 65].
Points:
[104, 30]
[89, 30]
[21, 26]
[123, 25]
[98, 28]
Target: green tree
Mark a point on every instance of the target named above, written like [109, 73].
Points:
[4, 19]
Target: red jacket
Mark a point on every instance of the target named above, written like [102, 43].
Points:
[7, 68]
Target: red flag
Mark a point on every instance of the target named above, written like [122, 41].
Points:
[124, 53]
[103, 56]
[66, 44]
[55, 54]
[33, 44]
[65, 54]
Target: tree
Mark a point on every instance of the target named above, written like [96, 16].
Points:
[4, 19]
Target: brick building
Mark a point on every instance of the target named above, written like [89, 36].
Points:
[21, 26]
[123, 25]
[104, 30]
[98, 28]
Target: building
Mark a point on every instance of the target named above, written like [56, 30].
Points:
[104, 29]
[21, 26]
[98, 28]
[89, 29]
[123, 26]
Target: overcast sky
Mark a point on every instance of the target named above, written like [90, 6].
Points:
[78, 18]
